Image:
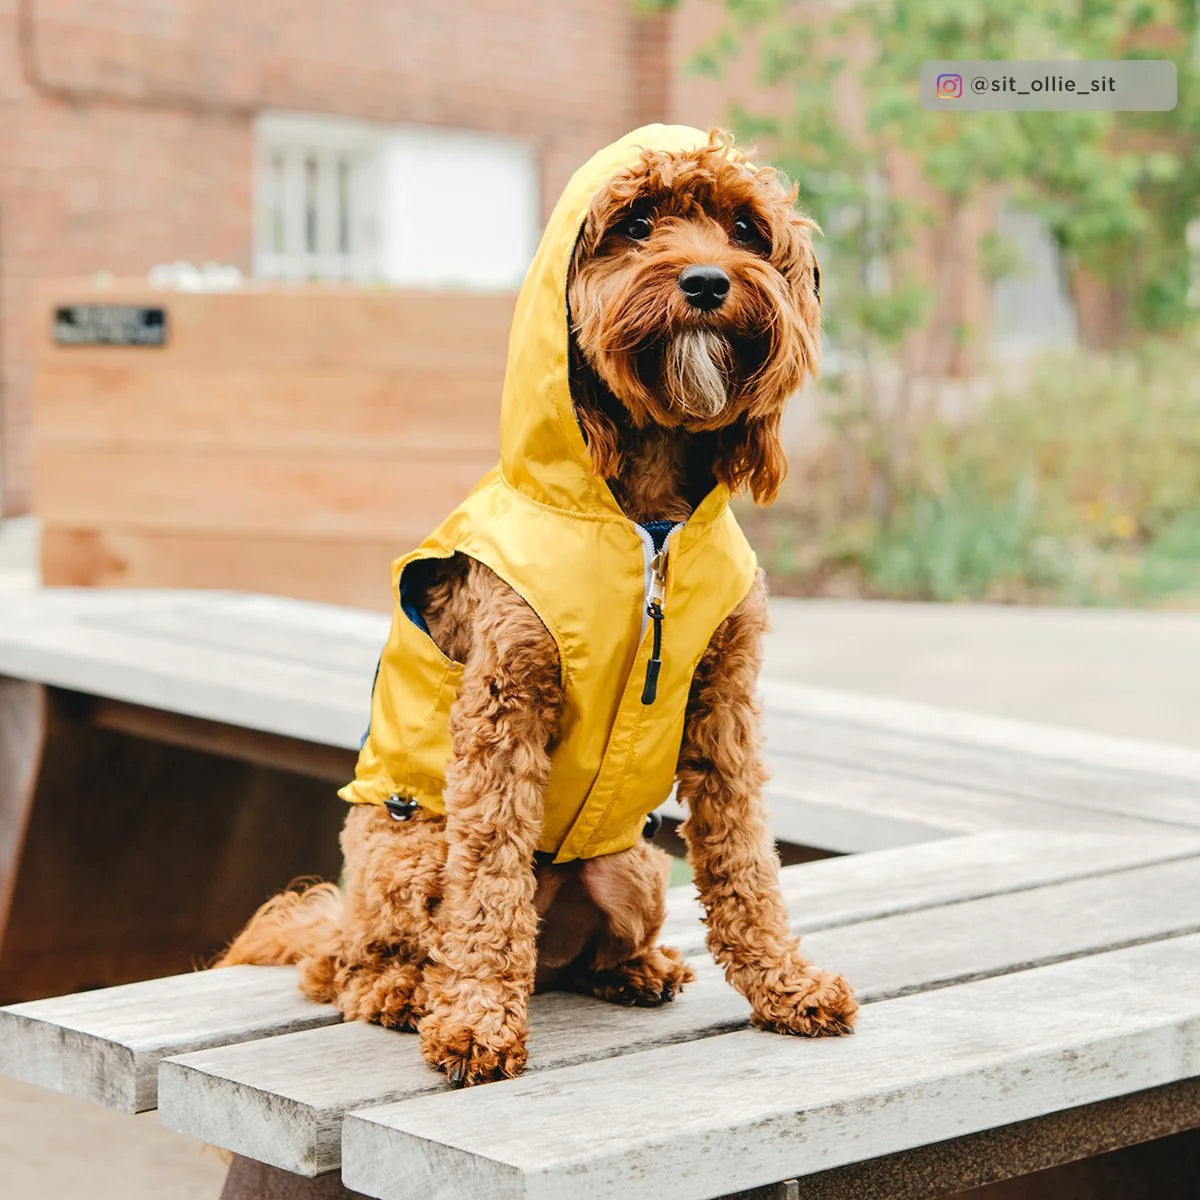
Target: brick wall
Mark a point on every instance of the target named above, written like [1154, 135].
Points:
[135, 146]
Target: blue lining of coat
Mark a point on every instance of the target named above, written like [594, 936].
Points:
[658, 531]
[409, 605]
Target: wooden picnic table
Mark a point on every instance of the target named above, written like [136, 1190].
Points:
[169, 759]
[1022, 924]
[1029, 999]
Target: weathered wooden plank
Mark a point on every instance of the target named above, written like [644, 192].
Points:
[322, 637]
[269, 327]
[860, 887]
[833, 814]
[331, 763]
[281, 1100]
[852, 772]
[22, 731]
[930, 947]
[323, 411]
[106, 1045]
[1072, 1151]
[303, 670]
[142, 857]
[863, 800]
[319, 657]
[748, 1108]
[271, 420]
[839, 807]
[271, 677]
[878, 758]
[1023, 738]
[250, 1180]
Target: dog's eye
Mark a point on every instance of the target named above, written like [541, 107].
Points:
[637, 229]
[745, 230]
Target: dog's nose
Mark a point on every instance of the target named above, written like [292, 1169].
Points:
[705, 287]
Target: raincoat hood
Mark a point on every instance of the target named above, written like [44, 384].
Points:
[542, 451]
[631, 609]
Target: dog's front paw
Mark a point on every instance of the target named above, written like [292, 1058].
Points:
[809, 1003]
[468, 1055]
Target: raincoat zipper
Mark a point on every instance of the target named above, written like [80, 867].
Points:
[654, 597]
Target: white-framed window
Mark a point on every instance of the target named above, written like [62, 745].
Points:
[414, 206]
[317, 198]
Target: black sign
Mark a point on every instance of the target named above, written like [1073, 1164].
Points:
[109, 325]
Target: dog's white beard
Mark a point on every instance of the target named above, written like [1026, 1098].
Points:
[694, 371]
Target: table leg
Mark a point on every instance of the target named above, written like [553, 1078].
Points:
[22, 730]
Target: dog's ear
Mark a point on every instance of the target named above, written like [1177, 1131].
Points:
[603, 441]
[600, 429]
[750, 456]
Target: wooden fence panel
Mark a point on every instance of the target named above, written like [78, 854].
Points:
[283, 440]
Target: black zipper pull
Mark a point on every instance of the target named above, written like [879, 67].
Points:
[655, 609]
[654, 665]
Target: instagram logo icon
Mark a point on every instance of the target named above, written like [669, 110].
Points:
[949, 87]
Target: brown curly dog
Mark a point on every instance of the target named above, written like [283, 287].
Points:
[446, 924]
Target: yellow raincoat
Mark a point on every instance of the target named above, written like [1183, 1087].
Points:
[553, 531]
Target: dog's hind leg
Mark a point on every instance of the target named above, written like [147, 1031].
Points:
[624, 965]
[391, 890]
[646, 980]
[388, 992]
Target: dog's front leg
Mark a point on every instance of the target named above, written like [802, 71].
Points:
[483, 964]
[721, 775]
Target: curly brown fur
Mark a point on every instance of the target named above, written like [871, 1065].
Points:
[303, 922]
[446, 924]
[721, 775]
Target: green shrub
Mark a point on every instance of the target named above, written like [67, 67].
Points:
[1081, 487]
[962, 544]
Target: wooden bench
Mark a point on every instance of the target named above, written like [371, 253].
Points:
[1029, 999]
[187, 744]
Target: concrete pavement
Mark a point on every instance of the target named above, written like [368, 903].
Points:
[1127, 672]
[58, 1148]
